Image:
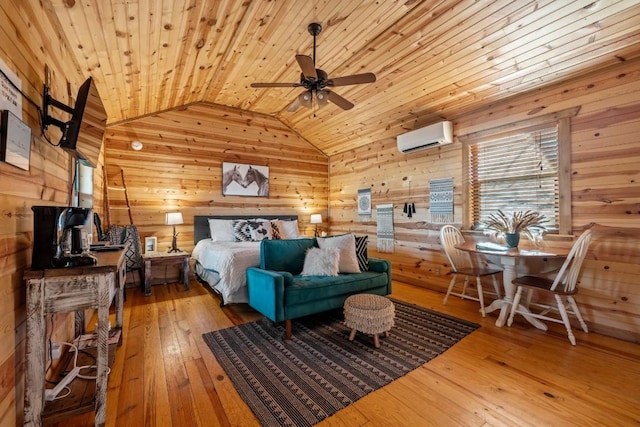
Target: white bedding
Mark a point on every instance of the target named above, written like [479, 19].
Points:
[230, 260]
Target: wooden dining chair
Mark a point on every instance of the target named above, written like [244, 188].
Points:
[563, 286]
[462, 264]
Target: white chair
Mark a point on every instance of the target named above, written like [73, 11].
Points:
[463, 264]
[562, 287]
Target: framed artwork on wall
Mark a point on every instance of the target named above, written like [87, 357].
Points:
[16, 141]
[150, 245]
[245, 180]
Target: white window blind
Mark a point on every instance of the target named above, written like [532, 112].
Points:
[517, 171]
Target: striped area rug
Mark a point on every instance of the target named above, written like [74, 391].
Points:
[318, 372]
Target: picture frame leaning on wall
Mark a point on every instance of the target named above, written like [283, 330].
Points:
[150, 245]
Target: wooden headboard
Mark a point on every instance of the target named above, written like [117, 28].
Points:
[201, 223]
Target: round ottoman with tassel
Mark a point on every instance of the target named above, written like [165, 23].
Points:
[370, 314]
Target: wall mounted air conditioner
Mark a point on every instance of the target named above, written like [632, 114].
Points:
[431, 136]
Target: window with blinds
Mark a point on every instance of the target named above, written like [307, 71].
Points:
[515, 171]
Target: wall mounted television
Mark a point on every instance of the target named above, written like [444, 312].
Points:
[82, 134]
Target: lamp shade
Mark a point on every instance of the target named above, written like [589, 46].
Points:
[316, 219]
[174, 218]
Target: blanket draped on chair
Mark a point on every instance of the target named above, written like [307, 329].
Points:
[128, 236]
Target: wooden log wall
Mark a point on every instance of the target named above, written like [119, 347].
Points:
[605, 153]
[180, 169]
[32, 47]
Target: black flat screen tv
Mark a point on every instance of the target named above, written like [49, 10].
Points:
[82, 134]
[71, 131]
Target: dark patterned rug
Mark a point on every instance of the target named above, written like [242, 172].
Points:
[318, 372]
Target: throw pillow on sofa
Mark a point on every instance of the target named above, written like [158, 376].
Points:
[346, 243]
[321, 262]
[361, 252]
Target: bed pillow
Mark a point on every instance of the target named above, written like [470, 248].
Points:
[251, 231]
[346, 244]
[321, 262]
[275, 230]
[289, 229]
[260, 230]
[221, 230]
[361, 252]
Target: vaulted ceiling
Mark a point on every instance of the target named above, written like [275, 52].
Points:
[432, 58]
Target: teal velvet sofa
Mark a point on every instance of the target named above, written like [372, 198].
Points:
[277, 290]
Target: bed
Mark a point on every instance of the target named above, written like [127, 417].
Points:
[221, 262]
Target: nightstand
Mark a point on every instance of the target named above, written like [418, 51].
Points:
[165, 258]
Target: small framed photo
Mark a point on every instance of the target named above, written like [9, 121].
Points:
[150, 244]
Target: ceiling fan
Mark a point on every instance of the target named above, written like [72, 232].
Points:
[316, 81]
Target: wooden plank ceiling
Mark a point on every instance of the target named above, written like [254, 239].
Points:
[433, 58]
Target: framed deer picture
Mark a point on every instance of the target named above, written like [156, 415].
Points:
[245, 180]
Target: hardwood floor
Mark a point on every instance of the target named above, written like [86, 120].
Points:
[165, 375]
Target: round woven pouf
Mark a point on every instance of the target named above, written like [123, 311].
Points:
[369, 314]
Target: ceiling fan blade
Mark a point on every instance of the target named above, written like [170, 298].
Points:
[294, 105]
[275, 84]
[352, 80]
[340, 101]
[306, 65]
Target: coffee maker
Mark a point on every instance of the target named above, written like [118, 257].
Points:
[60, 237]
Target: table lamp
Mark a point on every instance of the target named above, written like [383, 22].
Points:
[174, 218]
[316, 219]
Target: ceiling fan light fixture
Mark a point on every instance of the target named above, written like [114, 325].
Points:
[314, 80]
[306, 99]
[322, 97]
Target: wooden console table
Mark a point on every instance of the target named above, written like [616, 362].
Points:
[165, 258]
[71, 289]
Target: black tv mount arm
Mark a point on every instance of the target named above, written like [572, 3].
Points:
[48, 100]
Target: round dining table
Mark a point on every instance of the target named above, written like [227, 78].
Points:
[509, 260]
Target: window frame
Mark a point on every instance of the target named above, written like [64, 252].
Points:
[563, 120]
[83, 185]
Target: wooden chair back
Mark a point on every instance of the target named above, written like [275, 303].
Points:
[567, 277]
[449, 237]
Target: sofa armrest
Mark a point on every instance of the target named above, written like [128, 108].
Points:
[265, 289]
[381, 266]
